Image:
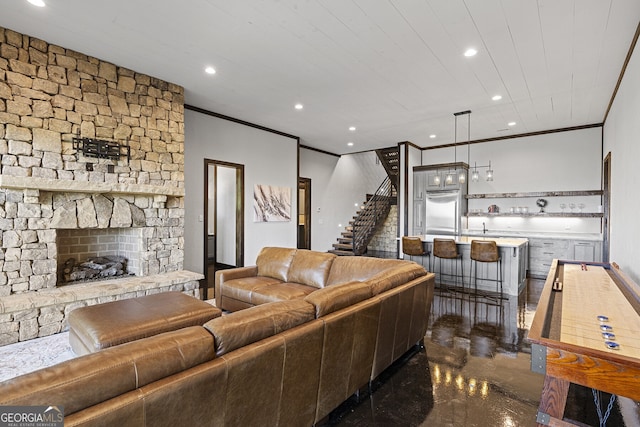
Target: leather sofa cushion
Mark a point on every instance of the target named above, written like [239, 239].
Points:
[310, 268]
[280, 292]
[275, 262]
[88, 380]
[399, 275]
[244, 327]
[96, 327]
[242, 289]
[334, 298]
[347, 269]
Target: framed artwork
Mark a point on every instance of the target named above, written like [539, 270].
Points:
[271, 204]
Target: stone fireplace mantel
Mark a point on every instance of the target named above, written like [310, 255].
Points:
[73, 186]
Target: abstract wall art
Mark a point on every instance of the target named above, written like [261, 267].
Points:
[271, 204]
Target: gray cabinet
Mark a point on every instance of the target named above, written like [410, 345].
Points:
[418, 217]
[437, 180]
[419, 185]
[542, 251]
[586, 250]
[514, 269]
[424, 181]
[419, 196]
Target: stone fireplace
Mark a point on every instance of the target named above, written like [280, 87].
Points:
[56, 203]
[89, 254]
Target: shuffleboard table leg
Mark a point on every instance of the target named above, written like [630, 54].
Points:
[552, 401]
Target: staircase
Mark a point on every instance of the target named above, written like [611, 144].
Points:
[358, 233]
[390, 159]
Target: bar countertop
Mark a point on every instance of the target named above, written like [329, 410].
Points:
[508, 242]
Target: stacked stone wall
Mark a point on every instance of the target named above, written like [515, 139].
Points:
[385, 239]
[49, 95]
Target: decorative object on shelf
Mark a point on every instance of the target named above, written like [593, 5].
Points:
[101, 149]
[523, 210]
[494, 209]
[541, 204]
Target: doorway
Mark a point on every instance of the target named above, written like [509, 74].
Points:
[304, 213]
[223, 219]
[606, 201]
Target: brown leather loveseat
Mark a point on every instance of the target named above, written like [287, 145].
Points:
[287, 362]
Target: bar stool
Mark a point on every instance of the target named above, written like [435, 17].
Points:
[485, 251]
[413, 246]
[447, 249]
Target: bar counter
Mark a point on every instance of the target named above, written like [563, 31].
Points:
[513, 251]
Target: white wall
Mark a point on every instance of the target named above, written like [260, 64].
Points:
[560, 161]
[268, 158]
[621, 138]
[337, 186]
[227, 202]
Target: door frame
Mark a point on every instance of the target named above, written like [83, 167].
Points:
[306, 237]
[239, 214]
[606, 206]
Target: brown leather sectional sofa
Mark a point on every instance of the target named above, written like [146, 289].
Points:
[288, 359]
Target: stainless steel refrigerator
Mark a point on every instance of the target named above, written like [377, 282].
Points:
[443, 212]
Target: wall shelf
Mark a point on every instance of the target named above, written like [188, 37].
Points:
[535, 194]
[541, 214]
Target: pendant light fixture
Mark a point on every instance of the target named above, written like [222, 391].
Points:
[475, 175]
[462, 175]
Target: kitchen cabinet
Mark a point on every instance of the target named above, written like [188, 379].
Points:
[586, 250]
[419, 193]
[437, 180]
[418, 217]
[424, 180]
[419, 185]
[542, 251]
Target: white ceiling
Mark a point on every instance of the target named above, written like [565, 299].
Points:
[393, 68]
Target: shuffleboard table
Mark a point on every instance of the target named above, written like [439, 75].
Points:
[586, 330]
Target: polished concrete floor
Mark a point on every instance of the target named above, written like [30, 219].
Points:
[473, 370]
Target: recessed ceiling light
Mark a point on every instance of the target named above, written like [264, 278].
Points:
[39, 3]
[511, 123]
[210, 70]
[433, 135]
[470, 52]
[298, 106]
[350, 144]
[496, 97]
[352, 128]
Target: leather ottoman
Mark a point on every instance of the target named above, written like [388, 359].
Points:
[97, 327]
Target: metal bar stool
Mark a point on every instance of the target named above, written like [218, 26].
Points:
[485, 251]
[413, 246]
[447, 249]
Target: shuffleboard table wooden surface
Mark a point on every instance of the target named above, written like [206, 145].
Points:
[586, 330]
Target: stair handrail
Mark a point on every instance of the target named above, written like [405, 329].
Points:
[368, 219]
[384, 160]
